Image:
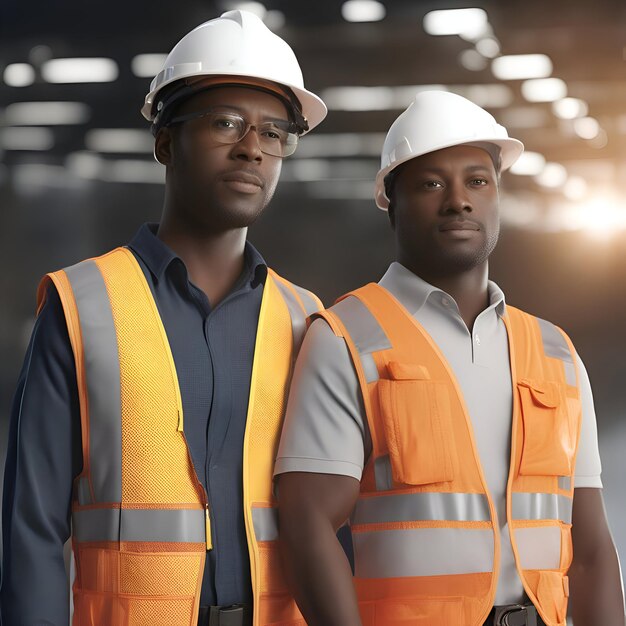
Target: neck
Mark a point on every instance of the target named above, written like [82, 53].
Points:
[214, 260]
[469, 289]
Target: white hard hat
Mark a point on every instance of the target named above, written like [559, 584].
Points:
[437, 120]
[236, 44]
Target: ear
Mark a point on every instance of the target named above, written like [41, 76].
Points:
[163, 146]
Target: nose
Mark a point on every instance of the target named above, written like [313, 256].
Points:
[248, 147]
[456, 200]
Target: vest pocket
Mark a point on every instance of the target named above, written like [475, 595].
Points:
[549, 429]
[416, 419]
[413, 612]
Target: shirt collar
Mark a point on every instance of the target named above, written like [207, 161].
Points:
[413, 292]
[158, 256]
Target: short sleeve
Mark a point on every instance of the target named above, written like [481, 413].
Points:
[325, 428]
[588, 466]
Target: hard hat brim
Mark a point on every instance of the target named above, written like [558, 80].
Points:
[510, 150]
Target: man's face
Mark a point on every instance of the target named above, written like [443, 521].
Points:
[222, 186]
[445, 210]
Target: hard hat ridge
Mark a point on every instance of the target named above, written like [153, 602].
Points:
[436, 120]
[237, 44]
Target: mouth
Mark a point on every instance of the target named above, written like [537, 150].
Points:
[242, 181]
[459, 225]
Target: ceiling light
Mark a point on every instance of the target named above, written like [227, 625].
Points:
[358, 98]
[472, 60]
[119, 140]
[575, 188]
[570, 108]
[340, 145]
[30, 138]
[525, 117]
[147, 65]
[488, 47]
[587, 127]
[489, 96]
[80, 70]
[467, 22]
[274, 19]
[529, 164]
[134, 171]
[521, 66]
[544, 89]
[554, 175]
[46, 113]
[363, 11]
[253, 7]
[19, 75]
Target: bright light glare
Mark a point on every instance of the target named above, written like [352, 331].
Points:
[521, 66]
[570, 108]
[553, 176]
[48, 113]
[363, 11]
[544, 89]
[30, 138]
[488, 47]
[465, 22]
[340, 145]
[602, 216]
[529, 164]
[587, 127]
[147, 65]
[80, 70]
[253, 7]
[19, 75]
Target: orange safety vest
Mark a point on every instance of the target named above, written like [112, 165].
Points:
[140, 517]
[426, 539]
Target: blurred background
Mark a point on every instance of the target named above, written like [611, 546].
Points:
[77, 175]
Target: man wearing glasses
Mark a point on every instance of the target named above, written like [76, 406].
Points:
[148, 410]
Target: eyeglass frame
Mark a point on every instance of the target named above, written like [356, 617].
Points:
[290, 130]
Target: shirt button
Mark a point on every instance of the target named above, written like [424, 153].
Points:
[477, 340]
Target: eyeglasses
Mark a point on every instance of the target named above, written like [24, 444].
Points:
[276, 138]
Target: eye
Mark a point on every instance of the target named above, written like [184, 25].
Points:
[225, 123]
[479, 182]
[432, 184]
[273, 133]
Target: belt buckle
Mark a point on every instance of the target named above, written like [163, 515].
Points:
[502, 613]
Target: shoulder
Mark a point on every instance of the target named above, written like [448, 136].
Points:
[309, 301]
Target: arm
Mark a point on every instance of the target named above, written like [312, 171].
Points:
[595, 581]
[311, 509]
[43, 456]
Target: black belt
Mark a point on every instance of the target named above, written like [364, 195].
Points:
[233, 615]
[514, 615]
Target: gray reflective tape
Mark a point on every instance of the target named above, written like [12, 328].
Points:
[570, 374]
[539, 548]
[102, 372]
[565, 483]
[298, 318]
[542, 506]
[159, 525]
[407, 507]
[369, 368]
[310, 305]
[83, 491]
[366, 333]
[382, 473]
[422, 552]
[265, 522]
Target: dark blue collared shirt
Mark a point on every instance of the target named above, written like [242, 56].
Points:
[213, 350]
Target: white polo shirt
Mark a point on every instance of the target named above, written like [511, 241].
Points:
[326, 428]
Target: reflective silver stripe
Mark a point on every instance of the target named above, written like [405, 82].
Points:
[382, 473]
[310, 305]
[539, 548]
[369, 368]
[166, 525]
[265, 521]
[542, 506]
[565, 483]
[406, 507]
[366, 333]
[83, 491]
[555, 346]
[422, 552]
[102, 372]
[298, 318]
